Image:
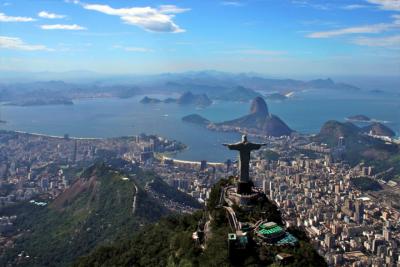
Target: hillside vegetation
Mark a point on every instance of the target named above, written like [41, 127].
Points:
[96, 209]
[168, 243]
[359, 147]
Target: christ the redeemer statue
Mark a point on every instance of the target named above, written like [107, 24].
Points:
[244, 149]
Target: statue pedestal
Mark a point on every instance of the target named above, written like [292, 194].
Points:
[244, 199]
[244, 188]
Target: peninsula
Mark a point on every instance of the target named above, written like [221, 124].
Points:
[259, 122]
[40, 102]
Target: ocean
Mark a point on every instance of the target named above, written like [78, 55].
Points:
[111, 117]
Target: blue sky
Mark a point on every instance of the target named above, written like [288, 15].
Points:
[276, 37]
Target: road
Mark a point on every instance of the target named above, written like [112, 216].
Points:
[134, 204]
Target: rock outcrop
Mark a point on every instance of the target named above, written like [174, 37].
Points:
[259, 121]
[379, 129]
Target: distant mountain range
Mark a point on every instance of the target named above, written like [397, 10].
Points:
[240, 93]
[217, 85]
[210, 77]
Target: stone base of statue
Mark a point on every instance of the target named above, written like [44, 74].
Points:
[245, 199]
[244, 188]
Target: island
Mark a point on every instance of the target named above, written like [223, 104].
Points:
[196, 119]
[149, 100]
[169, 100]
[187, 98]
[377, 91]
[359, 118]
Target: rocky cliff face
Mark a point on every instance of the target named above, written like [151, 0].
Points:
[259, 107]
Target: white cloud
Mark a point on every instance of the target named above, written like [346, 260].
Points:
[70, 27]
[354, 6]
[151, 19]
[5, 18]
[374, 28]
[386, 4]
[232, 3]
[387, 41]
[48, 15]
[77, 2]
[133, 49]
[261, 52]
[16, 43]
[306, 3]
[172, 9]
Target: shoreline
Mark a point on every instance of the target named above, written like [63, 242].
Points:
[366, 121]
[185, 147]
[62, 137]
[182, 161]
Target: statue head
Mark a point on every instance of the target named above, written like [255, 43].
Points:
[244, 138]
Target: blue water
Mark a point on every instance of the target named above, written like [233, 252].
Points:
[305, 112]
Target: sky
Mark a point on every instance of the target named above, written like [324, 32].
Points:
[275, 37]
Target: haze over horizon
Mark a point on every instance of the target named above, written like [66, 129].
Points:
[300, 38]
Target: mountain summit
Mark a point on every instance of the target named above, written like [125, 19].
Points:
[259, 107]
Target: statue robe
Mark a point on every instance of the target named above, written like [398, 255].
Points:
[244, 149]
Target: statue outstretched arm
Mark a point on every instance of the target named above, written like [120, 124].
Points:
[258, 146]
[233, 146]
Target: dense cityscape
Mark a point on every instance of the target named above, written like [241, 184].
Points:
[317, 193]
